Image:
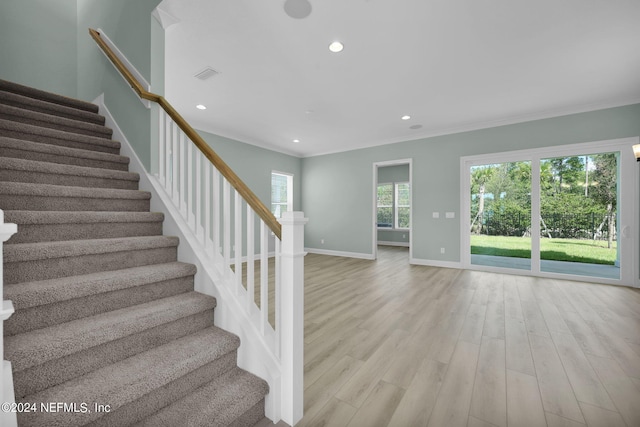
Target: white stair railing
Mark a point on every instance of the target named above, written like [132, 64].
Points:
[200, 186]
[262, 272]
[7, 411]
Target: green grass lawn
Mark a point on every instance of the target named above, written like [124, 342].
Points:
[587, 251]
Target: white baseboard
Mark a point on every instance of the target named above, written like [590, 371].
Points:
[435, 263]
[401, 244]
[339, 253]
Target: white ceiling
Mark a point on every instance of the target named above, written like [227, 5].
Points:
[451, 65]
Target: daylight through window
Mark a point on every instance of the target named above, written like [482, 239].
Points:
[281, 193]
[393, 204]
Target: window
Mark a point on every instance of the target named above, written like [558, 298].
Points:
[281, 193]
[402, 210]
[393, 205]
[385, 205]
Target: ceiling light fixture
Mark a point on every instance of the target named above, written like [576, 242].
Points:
[201, 107]
[336, 47]
[296, 140]
[405, 117]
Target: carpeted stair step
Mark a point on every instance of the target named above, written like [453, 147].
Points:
[105, 314]
[139, 386]
[31, 92]
[216, 404]
[27, 262]
[47, 357]
[48, 226]
[27, 132]
[27, 103]
[49, 121]
[45, 197]
[19, 170]
[45, 303]
[20, 149]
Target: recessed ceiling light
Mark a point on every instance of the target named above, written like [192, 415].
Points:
[201, 107]
[336, 47]
[296, 140]
[405, 117]
[415, 127]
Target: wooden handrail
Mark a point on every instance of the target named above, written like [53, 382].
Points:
[249, 196]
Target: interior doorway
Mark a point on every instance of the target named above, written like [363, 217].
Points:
[392, 205]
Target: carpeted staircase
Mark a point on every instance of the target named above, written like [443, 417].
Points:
[105, 314]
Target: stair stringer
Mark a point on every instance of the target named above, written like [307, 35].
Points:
[254, 354]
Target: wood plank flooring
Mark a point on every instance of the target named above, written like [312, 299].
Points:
[390, 344]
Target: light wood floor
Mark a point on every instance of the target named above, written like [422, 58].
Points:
[389, 344]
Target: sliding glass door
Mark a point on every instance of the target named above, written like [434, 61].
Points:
[500, 215]
[579, 211]
[558, 211]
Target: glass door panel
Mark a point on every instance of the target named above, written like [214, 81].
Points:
[500, 220]
[579, 215]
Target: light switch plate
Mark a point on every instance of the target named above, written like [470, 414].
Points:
[436, 214]
[450, 214]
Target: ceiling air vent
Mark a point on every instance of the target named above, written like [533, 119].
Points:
[206, 73]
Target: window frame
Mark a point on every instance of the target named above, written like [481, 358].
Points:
[394, 205]
[289, 203]
[397, 205]
[380, 184]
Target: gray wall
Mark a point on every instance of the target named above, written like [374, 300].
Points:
[128, 25]
[38, 44]
[254, 166]
[346, 179]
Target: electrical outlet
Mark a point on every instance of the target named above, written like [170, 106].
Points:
[322, 241]
[441, 250]
[404, 236]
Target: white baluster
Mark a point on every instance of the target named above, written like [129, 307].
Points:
[162, 173]
[216, 213]
[250, 259]
[168, 154]
[264, 277]
[277, 298]
[183, 177]
[237, 250]
[226, 218]
[207, 205]
[190, 214]
[198, 195]
[175, 176]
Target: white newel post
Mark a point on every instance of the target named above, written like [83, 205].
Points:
[6, 378]
[292, 315]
